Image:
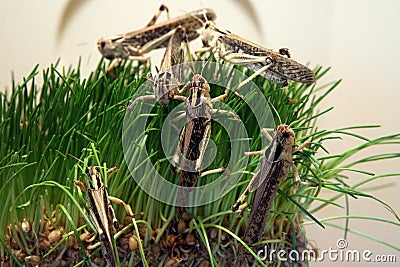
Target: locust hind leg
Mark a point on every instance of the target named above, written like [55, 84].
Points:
[251, 187]
[239, 216]
[157, 15]
[269, 64]
[111, 212]
[153, 44]
[178, 153]
[111, 215]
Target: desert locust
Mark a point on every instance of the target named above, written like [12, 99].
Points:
[134, 45]
[274, 168]
[275, 66]
[194, 137]
[168, 80]
[101, 212]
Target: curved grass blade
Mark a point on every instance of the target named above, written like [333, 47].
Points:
[10, 252]
[239, 240]
[66, 213]
[203, 235]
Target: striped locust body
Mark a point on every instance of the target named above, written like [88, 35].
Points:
[168, 80]
[101, 212]
[275, 66]
[194, 137]
[274, 168]
[134, 45]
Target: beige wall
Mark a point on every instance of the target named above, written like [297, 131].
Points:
[359, 39]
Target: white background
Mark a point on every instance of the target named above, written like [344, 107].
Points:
[358, 39]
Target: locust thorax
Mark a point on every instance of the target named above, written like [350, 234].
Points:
[199, 102]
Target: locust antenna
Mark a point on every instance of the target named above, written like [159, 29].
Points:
[149, 77]
[204, 13]
[202, 69]
[192, 70]
[193, 16]
[79, 160]
[274, 109]
[72, 156]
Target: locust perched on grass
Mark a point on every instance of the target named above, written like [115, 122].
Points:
[274, 168]
[101, 212]
[194, 137]
[168, 80]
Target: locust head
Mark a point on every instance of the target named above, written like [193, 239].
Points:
[111, 48]
[285, 136]
[210, 34]
[94, 181]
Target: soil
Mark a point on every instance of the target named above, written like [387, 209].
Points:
[178, 246]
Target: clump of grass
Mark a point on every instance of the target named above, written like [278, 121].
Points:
[68, 115]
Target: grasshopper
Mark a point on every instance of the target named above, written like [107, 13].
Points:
[166, 83]
[101, 211]
[275, 66]
[194, 137]
[274, 168]
[134, 45]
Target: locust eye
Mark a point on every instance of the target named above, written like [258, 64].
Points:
[91, 170]
[102, 44]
